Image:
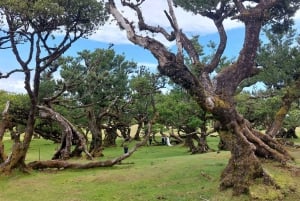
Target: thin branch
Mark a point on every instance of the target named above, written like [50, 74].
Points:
[218, 17]
[145, 27]
[177, 30]
[48, 100]
[190, 48]
[3, 40]
[10, 73]
[108, 108]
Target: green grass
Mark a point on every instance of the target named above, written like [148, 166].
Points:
[152, 173]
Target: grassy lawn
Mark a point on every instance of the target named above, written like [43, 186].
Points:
[152, 173]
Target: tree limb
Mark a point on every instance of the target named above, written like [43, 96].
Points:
[10, 73]
[177, 31]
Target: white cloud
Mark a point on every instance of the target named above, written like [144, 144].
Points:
[153, 12]
[297, 15]
[15, 85]
[148, 65]
[110, 33]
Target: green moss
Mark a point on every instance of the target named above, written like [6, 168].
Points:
[221, 103]
[263, 193]
[282, 112]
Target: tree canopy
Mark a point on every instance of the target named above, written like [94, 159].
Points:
[34, 25]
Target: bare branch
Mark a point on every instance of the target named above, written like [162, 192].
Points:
[145, 27]
[3, 40]
[10, 73]
[221, 47]
[177, 31]
[189, 48]
[218, 17]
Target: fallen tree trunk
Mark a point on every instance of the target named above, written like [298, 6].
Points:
[59, 164]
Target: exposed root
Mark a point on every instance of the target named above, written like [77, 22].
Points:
[244, 165]
[267, 144]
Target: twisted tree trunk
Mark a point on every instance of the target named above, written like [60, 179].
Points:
[70, 134]
[110, 136]
[246, 146]
[215, 96]
[4, 124]
[96, 143]
[190, 136]
[292, 94]
[16, 159]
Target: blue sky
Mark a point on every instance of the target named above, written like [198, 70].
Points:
[110, 33]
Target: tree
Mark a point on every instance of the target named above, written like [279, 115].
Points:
[281, 75]
[144, 87]
[179, 111]
[97, 82]
[12, 117]
[258, 107]
[33, 25]
[278, 57]
[216, 95]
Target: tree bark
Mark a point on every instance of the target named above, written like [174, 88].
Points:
[96, 143]
[110, 136]
[4, 124]
[137, 136]
[191, 136]
[69, 134]
[292, 94]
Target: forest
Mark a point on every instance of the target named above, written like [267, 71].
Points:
[102, 101]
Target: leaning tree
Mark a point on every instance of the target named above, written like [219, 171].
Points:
[216, 94]
[280, 60]
[46, 29]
